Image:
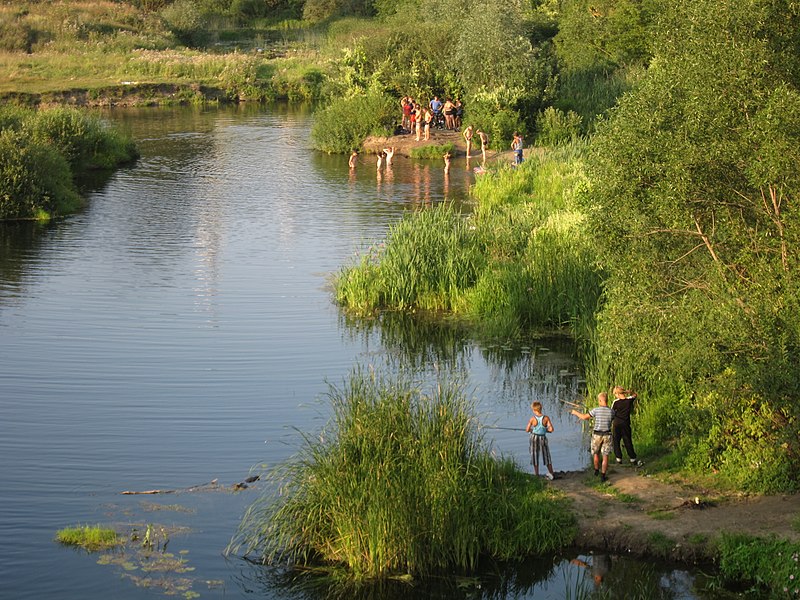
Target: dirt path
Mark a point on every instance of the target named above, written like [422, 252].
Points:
[635, 513]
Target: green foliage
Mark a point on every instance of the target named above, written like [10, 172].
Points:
[91, 538]
[187, 22]
[554, 126]
[770, 565]
[401, 483]
[435, 151]
[84, 140]
[322, 10]
[427, 260]
[693, 180]
[41, 150]
[344, 124]
[605, 33]
[523, 261]
[35, 179]
[591, 93]
[499, 123]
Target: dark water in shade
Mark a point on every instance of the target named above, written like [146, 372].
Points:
[180, 330]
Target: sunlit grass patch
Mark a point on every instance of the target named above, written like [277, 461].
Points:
[435, 151]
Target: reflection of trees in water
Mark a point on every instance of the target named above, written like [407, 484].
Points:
[491, 581]
[542, 368]
[539, 368]
[19, 245]
[415, 342]
[532, 577]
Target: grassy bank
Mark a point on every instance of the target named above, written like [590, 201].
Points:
[522, 260]
[400, 483]
[51, 47]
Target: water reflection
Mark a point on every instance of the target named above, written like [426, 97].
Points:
[597, 575]
[416, 342]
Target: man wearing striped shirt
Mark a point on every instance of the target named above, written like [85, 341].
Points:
[601, 433]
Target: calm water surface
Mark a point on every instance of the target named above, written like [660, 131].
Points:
[180, 330]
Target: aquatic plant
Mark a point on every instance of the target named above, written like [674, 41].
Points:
[426, 262]
[89, 537]
[435, 151]
[400, 482]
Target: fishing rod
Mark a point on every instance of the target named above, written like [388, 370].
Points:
[572, 404]
[505, 428]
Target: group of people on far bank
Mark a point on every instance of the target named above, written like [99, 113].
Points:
[611, 429]
[419, 119]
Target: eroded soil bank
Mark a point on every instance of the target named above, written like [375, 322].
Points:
[640, 515]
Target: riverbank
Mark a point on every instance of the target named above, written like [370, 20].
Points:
[126, 94]
[647, 515]
[405, 143]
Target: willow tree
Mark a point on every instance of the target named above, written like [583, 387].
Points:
[696, 177]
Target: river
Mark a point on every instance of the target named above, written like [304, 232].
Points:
[180, 330]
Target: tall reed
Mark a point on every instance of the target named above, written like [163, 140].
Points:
[400, 482]
[425, 262]
[523, 260]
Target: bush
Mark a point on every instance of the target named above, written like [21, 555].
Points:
[554, 126]
[35, 179]
[344, 124]
[500, 124]
[83, 139]
[401, 483]
[12, 117]
[187, 22]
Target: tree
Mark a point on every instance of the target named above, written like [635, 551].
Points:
[604, 33]
[695, 180]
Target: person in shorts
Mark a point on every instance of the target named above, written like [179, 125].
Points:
[602, 444]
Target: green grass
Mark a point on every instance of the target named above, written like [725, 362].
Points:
[91, 538]
[770, 565]
[522, 261]
[661, 515]
[400, 483]
[435, 151]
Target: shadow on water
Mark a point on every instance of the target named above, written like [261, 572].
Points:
[20, 243]
[572, 576]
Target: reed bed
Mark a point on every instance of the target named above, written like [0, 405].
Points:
[426, 261]
[400, 483]
[523, 260]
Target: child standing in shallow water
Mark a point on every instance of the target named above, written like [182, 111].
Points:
[539, 426]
